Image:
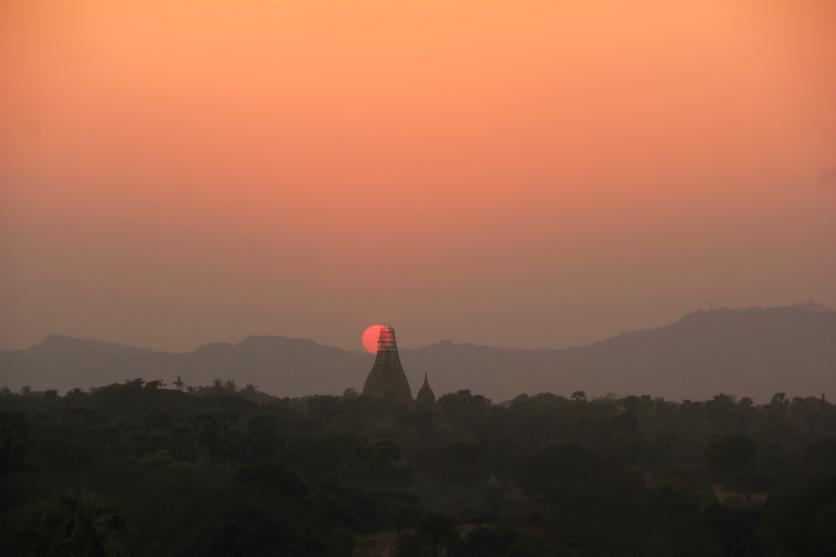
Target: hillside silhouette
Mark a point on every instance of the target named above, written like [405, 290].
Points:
[754, 351]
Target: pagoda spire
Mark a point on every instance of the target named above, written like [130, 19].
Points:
[425, 396]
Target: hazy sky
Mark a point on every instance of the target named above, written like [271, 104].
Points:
[519, 173]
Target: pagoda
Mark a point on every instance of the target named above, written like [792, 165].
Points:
[425, 397]
[387, 378]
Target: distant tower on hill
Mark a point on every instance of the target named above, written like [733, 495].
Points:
[426, 396]
[387, 378]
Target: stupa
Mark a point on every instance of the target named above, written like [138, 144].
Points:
[387, 378]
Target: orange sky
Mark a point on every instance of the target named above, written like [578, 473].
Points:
[515, 173]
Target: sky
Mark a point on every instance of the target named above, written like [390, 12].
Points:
[513, 173]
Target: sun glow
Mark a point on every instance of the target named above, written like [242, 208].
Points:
[370, 337]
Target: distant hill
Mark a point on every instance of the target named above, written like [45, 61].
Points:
[754, 352]
[278, 365]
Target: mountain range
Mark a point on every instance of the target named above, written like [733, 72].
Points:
[748, 352]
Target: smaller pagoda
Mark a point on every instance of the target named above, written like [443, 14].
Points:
[425, 397]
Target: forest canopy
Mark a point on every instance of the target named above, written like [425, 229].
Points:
[142, 468]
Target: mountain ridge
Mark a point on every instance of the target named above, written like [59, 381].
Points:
[750, 351]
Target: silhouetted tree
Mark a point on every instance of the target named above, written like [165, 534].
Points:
[579, 396]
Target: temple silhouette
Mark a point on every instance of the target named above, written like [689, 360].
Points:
[426, 397]
[387, 377]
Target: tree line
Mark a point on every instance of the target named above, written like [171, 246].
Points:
[144, 468]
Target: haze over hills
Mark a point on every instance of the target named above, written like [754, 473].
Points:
[753, 352]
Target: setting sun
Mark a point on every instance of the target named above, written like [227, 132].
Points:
[370, 337]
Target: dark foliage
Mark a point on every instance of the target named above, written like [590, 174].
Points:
[144, 470]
